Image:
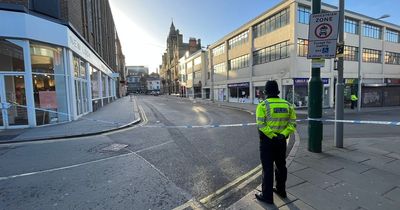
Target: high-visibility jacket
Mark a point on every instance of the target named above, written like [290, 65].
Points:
[354, 97]
[276, 116]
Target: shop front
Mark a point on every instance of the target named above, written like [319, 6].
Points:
[299, 94]
[220, 93]
[239, 92]
[48, 79]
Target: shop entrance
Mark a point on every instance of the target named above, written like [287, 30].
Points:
[14, 112]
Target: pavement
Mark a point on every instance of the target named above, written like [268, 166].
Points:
[365, 174]
[105, 119]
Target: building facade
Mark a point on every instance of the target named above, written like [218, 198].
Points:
[58, 60]
[193, 71]
[274, 45]
[153, 85]
[169, 69]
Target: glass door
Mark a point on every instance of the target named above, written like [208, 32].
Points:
[13, 101]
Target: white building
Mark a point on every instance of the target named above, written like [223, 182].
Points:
[153, 84]
[274, 46]
[194, 75]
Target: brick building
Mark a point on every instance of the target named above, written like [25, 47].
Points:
[59, 60]
[176, 48]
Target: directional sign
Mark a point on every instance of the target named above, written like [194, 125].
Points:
[322, 35]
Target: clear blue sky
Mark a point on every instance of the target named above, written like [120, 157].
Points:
[143, 25]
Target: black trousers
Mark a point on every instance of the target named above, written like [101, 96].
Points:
[353, 104]
[272, 151]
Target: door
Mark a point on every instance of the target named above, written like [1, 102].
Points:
[14, 111]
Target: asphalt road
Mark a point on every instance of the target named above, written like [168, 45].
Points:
[161, 168]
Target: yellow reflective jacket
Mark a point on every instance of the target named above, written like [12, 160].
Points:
[354, 97]
[276, 115]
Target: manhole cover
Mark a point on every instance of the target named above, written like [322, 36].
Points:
[115, 147]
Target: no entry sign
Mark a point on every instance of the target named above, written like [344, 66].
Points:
[322, 35]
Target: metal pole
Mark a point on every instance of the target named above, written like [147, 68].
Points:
[315, 101]
[339, 85]
[360, 49]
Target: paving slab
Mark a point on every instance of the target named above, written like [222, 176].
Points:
[394, 195]
[317, 178]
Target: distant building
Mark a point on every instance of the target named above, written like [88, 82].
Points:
[176, 48]
[153, 84]
[137, 70]
[133, 83]
[59, 60]
[194, 75]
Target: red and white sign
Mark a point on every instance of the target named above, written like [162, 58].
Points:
[323, 34]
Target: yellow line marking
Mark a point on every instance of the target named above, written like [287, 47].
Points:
[231, 184]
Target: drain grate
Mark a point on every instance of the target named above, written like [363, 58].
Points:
[114, 147]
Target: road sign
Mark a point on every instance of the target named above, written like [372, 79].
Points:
[322, 35]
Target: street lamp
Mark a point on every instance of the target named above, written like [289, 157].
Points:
[360, 53]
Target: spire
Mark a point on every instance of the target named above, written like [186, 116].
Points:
[172, 28]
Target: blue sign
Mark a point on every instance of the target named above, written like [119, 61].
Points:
[243, 84]
[304, 81]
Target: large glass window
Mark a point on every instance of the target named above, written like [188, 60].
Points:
[392, 36]
[303, 15]
[392, 58]
[272, 23]
[219, 50]
[372, 31]
[11, 56]
[104, 85]
[219, 68]
[271, 53]
[239, 40]
[350, 26]
[238, 63]
[49, 84]
[372, 56]
[350, 53]
[95, 81]
[302, 47]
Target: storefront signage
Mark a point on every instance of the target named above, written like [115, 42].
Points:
[322, 35]
[304, 81]
[243, 84]
[393, 81]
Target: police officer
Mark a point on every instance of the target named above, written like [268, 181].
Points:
[276, 120]
[353, 99]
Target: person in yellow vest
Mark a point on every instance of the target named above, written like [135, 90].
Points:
[353, 99]
[276, 120]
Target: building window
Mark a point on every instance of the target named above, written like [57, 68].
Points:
[49, 84]
[239, 63]
[302, 47]
[197, 61]
[350, 53]
[392, 36]
[239, 40]
[271, 53]
[95, 81]
[219, 50]
[219, 68]
[11, 56]
[272, 23]
[392, 58]
[350, 26]
[303, 15]
[371, 56]
[372, 31]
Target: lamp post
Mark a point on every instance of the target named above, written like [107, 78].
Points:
[360, 53]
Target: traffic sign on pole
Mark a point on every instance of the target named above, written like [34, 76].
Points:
[322, 35]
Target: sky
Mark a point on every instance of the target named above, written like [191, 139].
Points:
[143, 25]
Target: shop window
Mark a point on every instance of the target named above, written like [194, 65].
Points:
[95, 82]
[49, 84]
[11, 56]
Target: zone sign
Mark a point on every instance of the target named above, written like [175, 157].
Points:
[324, 26]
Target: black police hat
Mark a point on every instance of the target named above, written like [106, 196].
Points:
[271, 88]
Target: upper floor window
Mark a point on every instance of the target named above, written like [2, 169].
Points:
[239, 40]
[219, 50]
[197, 61]
[219, 68]
[350, 53]
[350, 26]
[392, 58]
[303, 15]
[271, 53]
[392, 36]
[372, 56]
[272, 23]
[240, 62]
[302, 47]
[372, 31]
